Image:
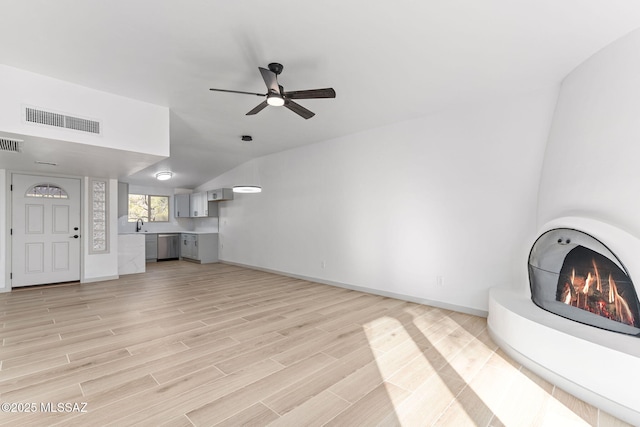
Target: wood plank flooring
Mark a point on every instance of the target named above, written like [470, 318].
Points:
[187, 344]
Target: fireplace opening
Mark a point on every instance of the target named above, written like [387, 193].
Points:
[574, 275]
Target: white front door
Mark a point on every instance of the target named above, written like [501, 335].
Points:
[45, 230]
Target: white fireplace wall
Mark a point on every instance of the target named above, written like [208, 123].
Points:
[590, 181]
[592, 162]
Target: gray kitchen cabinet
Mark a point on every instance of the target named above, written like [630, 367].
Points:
[199, 206]
[194, 205]
[189, 248]
[181, 206]
[151, 247]
[220, 195]
[123, 199]
[202, 248]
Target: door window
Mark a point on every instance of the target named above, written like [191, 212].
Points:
[50, 191]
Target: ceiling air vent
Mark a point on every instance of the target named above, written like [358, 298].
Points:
[13, 145]
[48, 118]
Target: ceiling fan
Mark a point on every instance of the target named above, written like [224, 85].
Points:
[276, 96]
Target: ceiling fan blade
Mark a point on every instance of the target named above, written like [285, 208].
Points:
[311, 94]
[258, 108]
[239, 91]
[298, 109]
[270, 79]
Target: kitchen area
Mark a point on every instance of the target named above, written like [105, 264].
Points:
[186, 229]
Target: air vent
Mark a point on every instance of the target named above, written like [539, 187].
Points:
[13, 145]
[60, 120]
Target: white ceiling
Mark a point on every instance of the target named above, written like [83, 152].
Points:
[388, 62]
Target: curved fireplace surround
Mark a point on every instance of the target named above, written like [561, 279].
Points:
[574, 275]
[570, 324]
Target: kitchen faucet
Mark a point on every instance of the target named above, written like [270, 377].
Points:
[139, 224]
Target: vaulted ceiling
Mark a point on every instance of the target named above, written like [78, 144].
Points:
[388, 61]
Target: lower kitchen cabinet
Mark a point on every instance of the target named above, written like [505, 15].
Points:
[151, 247]
[202, 248]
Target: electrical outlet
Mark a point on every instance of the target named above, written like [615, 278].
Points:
[439, 281]
[323, 264]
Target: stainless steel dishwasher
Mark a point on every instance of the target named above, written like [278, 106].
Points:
[168, 246]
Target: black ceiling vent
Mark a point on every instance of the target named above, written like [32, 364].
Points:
[12, 145]
[48, 118]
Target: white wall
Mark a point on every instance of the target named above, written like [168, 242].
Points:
[591, 167]
[450, 195]
[126, 124]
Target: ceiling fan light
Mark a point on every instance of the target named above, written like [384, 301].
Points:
[247, 189]
[275, 100]
[163, 176]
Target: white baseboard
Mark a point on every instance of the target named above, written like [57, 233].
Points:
[432, 303]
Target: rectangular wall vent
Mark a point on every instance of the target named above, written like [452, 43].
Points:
[60, 120]
[13, 145]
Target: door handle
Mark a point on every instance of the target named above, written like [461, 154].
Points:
[75, 236]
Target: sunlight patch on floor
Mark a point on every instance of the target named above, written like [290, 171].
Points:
[454, 374]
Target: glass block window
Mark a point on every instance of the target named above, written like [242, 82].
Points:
[98, 192]
[50, 191]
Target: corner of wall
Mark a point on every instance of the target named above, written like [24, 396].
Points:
[590, 165]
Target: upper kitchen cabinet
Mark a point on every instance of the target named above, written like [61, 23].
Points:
[182, 206]
[199, 206]
[123, 199]
[194, 205]
[220, 195]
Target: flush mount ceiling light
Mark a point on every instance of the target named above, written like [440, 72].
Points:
[163, 176]
[247, 189]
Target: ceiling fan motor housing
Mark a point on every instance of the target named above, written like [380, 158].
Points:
[276, 68]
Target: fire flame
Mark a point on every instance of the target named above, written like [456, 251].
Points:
[622, 308]
[567, 290]
[579, 292]
[573, 276]
[587, 283]
[598, 282]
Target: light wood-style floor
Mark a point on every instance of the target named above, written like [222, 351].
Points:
[187, 344]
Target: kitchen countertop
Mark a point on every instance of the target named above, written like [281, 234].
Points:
[168, 232]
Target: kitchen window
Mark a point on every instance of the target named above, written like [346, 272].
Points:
[148, 208]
